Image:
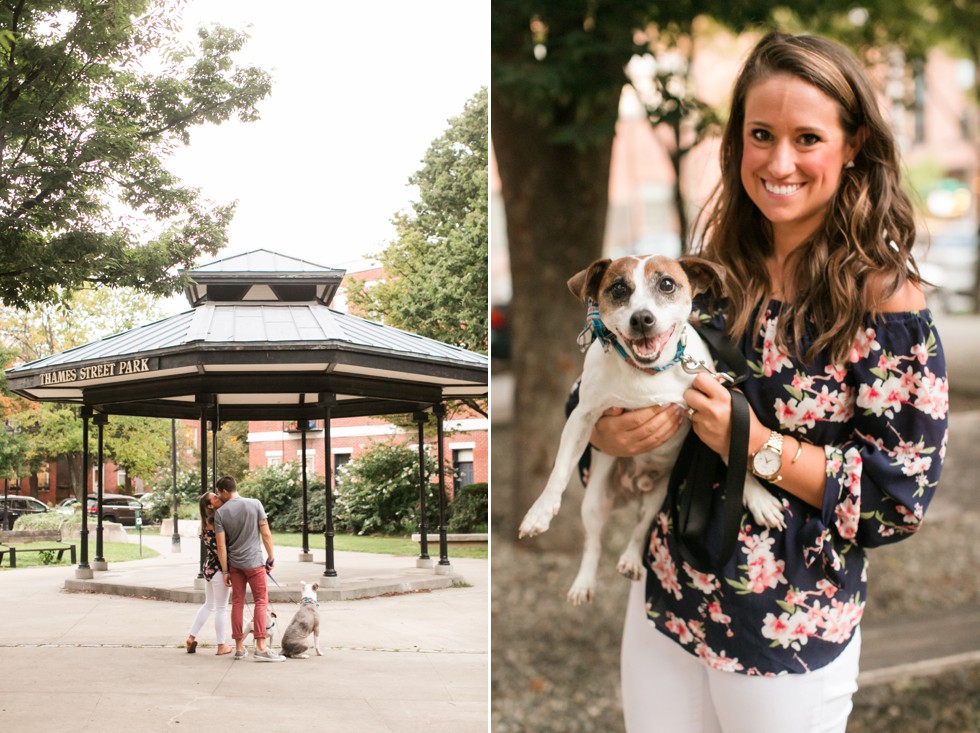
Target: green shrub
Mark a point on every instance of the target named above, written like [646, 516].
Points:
[44, 520]
[161, 505]
[378, 492]
[469, 509]
[277, 487]
[316, 511]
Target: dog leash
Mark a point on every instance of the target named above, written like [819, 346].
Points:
[697, 466]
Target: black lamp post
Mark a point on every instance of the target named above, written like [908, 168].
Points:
[175, 539]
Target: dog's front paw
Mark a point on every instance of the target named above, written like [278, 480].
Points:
[630, 566]
[766, 509]
[582, 591]
[318, 652]
[538, 518]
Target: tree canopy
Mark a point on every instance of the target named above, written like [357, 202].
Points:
[436, 280]
[94, 95]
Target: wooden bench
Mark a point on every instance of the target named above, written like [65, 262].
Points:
[49, 536]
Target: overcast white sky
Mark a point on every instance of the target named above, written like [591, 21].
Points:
[360, 90]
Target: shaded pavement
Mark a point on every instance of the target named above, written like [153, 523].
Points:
[412, 660]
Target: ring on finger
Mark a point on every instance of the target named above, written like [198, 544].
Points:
[691, 412]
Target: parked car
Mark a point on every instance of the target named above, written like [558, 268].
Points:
[13, 507]
[115, 508]
[500, 334]
[67, 506]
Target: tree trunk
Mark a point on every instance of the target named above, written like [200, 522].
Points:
[555, 197]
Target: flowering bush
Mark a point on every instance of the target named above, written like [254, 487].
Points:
[378, 492]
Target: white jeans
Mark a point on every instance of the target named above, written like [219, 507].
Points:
[668, 690]
[216, 595]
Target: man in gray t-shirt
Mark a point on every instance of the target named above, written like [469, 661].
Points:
[241, 528]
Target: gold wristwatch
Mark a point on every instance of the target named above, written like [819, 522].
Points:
[769, 458]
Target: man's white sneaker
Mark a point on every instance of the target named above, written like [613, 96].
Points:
[269, 656]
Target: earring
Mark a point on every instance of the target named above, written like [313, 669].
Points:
[848, 165]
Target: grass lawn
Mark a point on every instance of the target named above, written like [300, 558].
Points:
[378, 545]
[113, 552]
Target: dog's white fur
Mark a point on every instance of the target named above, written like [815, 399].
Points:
[270, 628]
[646, 303]
[305, 622]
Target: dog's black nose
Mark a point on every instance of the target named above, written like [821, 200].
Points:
[642, 320]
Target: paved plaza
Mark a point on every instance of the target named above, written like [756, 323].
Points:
[404, 662]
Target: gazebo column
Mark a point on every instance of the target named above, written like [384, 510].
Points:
[199, 580]
[83, 571]
[444, 567]
[99, 562]
[175, 538]
[330, 579]
[423, 560]
[305, 555]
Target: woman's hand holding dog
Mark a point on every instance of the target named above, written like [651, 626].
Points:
[625, 433]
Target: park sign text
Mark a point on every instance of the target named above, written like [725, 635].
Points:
[108, 370]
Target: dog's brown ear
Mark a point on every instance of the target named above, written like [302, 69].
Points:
[705, 276]
[585, 284]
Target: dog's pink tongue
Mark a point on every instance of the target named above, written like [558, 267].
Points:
[647, 347]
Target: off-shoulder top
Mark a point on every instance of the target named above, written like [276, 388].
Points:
[790, 600]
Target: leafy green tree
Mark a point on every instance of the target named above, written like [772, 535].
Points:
[93, 98]
[13, 443]
[557, 73]
[436, 270]
[378, 492]
[139, 445]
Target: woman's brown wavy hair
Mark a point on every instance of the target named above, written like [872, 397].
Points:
[860, 256]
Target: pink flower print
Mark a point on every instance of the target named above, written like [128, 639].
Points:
[679, 629]
[840, 620]
[827, 588]
[719, 661]
[910, 517]
[697, 628]
[917, 466]
[864, 344]
[836, 372]
[795, 597]
[665, 570]
[789, 630]
[704, 582]
[932, 397]
[848, 514]
[714, 610]
[773, 360]
[921, 353]
[802, 382]
[888, 362]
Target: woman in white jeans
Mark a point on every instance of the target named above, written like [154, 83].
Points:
[216, 593]
[848, 411]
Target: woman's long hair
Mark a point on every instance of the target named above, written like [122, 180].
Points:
[207, 511]
[860, 256]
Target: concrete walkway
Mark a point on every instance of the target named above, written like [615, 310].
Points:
[94, 662]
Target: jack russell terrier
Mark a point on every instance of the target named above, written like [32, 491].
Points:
[644, 304]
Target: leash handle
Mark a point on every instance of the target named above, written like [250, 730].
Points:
[697, 466]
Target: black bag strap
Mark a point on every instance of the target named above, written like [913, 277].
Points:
[699, 465]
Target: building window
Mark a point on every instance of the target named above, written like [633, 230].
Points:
[462, 467]
[340, 459]
[273, 458]
[310, 462]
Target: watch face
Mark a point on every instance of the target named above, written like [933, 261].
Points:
[767, 462]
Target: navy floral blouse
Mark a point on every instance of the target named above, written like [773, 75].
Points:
[790, 600]
[211, 563]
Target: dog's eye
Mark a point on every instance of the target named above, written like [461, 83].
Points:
[618, 290]
[667, 285]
